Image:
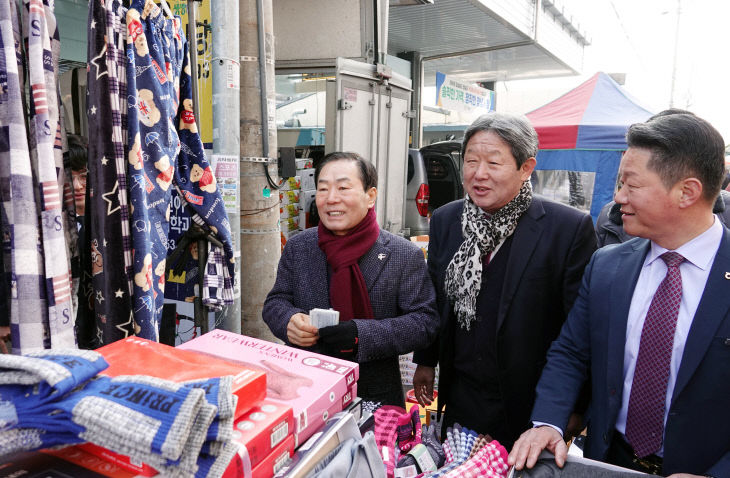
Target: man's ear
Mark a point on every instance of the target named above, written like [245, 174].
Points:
[372, 194]
[527, 168]
[690, 191]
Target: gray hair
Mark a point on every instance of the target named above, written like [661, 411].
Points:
[515, 130]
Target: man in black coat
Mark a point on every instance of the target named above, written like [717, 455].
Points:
[506, 266]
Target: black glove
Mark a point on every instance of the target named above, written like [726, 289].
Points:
[340, 340]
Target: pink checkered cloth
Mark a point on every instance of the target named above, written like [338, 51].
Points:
[386, 425]
[490, 461]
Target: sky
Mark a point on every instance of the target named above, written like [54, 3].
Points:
[637, 37]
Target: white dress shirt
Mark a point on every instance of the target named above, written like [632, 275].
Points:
[699, 254]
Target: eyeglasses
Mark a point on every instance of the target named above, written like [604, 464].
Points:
[79, 177]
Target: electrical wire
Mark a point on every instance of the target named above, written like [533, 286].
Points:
[253, 212]
[269, 179]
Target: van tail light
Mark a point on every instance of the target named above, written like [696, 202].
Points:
[422, 200]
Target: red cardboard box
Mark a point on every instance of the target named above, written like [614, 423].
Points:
[312, 384]
[69, 461]
[261, 429]
[267, 468]
[122, 461]
[138, 356]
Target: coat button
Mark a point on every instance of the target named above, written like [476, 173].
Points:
[613, 391]
[605, 437]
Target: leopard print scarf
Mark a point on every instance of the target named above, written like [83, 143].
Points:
[482, 233]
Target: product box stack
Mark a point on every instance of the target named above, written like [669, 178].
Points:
[315, 386]
[265, 441]
[305, 170]
[138, 356]
[289, 198]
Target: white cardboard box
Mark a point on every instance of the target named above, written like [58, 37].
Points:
[307, 179]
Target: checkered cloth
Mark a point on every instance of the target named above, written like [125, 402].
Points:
[448, 452]
[490, 461]
[481, 440]
[386, 424]
[23, 263]
[43, 123]
[460, 442]
[117, 84]
[65, 181]
[217, 280]
[106, 255]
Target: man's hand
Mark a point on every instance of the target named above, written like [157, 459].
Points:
[423, 379]
[4, 336]
[685, 475]
[300, 331]
[531, 443]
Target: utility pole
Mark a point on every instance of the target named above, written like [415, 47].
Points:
[260, 238]
[226, 131]
[676, 53]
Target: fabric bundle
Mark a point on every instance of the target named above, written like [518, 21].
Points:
[55, 397]
[144, 144]
[23, 261]
[35, 217]
[489, 461]
[429, 444]
[352, 458]
[471, 455]
[107, 252]
[164, 148]
[386, 426]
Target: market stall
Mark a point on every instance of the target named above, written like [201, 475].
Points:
[583, 132]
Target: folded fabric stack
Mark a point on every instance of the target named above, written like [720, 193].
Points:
[55, 397]
[470, 455]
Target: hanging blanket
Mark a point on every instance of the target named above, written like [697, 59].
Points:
[108, 262]
[23, 260]
[159, 93]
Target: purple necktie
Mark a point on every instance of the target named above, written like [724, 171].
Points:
[645, 418]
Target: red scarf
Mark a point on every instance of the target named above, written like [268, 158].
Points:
[348, 292]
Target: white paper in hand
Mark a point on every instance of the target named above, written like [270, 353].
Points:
[324, 317]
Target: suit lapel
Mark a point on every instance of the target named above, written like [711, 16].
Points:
[372, 263]
[524, 241]
[711, 311]
[623, 279]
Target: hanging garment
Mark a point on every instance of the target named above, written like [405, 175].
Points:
[158, 76]
[23, 259]
[107, 265]
[65, 182]
[43, 47]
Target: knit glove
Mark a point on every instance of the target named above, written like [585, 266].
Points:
[340, 340]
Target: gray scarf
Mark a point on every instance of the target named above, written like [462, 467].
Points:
[482, 232]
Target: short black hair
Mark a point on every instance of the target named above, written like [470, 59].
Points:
[682, 145]
[671, 111]
[368, 173]
[77, 152]
[515, 130]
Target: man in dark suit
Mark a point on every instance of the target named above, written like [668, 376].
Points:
[651, 324]
[506, 266]
[376, 280]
